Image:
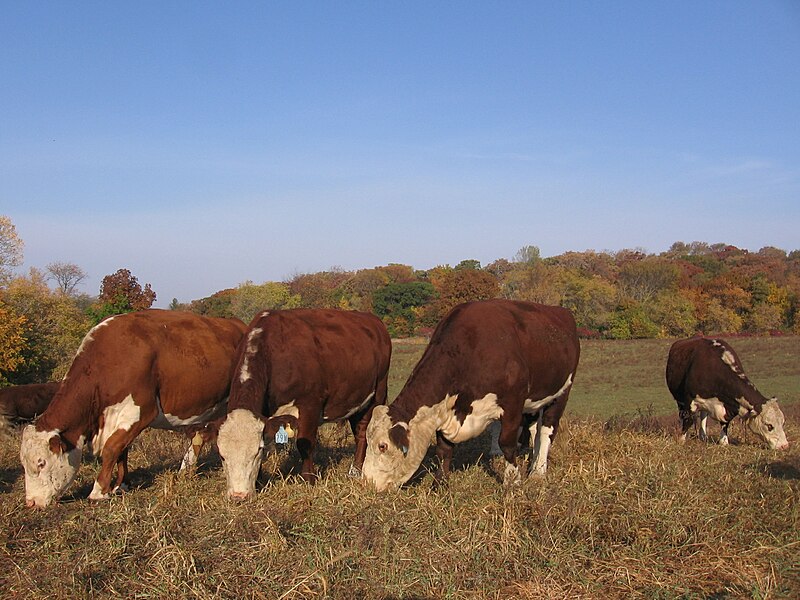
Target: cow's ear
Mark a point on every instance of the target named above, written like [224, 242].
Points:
[210, 431]
[57, 444]
[398, 434]
[272, 424]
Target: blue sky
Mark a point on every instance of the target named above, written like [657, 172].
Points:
[203, 144]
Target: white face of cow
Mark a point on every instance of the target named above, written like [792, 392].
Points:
[768, 425]
[241, 445]
[49, 467]
[386, 465]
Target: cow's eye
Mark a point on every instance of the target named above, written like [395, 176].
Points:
[383, 447]
[41, 463]
[770, 427]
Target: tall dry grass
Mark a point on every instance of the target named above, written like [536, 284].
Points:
[624, 512]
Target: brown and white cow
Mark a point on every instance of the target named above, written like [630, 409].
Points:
[302, 367]
[156, 368]
[23, 403]
[486, 361]
[706, 379]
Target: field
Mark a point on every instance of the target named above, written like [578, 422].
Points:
[624, 512]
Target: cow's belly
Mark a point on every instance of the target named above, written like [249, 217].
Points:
[713, 406]
[168, 421]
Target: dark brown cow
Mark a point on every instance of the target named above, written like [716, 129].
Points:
[486, 361]
[22, 403]
[156, 368]
[706, 379]
[302, 367]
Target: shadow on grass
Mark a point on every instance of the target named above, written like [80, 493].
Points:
[785, 470]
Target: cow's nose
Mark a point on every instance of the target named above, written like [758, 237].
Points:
[238, 496]
[30, 503]
[783, 446]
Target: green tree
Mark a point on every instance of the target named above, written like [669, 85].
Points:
[250, 299]
[395, 303]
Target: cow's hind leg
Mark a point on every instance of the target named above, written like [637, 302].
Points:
[687, 420]
[306, 442]
[723, 436]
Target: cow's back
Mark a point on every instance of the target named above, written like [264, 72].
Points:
[484, 345]
[342, 353]
[179, 358]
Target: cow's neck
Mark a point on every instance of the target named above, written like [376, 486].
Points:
[73, 420]
[429, 383]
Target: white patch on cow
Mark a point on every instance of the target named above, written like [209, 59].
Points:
[713, 406]
[728, 359]
[97, 493]
[250, 352]
[263, 314]
[120, 416]
[47, 474]
[288, 409]
[484, 411]
[189, 459]
[715, 343]
[241, 445]
[168, 421]
[768, 425]
[544, 437]
[89, 337]
[531, 406]
[358, 408]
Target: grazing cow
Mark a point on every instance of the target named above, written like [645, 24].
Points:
[22, 403]
[302, 367]
[489, 360]
[706, 379]
[157, 368]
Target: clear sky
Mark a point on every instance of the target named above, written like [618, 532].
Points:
[203, 144]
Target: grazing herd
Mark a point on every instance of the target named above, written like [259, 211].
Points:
[291, 370]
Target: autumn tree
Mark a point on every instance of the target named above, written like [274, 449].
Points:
[216, 305]
[12, 341]
[121, 293]
[53, 328]
[66, 275]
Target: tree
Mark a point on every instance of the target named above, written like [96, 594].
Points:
[12, 341]
[11, 246]
[643, 279]
[66, 275]
[121, 293]
[456, 286]
[470, 263]
[395, 303]
[528, 255]
[53, 328]
[250, 299]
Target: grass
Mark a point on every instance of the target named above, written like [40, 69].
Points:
[625, 512]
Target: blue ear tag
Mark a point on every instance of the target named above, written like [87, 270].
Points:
[281, 436]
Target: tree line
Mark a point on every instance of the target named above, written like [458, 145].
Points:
[690, 288]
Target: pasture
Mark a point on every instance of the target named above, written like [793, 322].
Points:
[624, 512]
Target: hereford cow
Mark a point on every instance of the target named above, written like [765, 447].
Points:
[486, 361]
[302, 367]
[156, 368]
[22, 403]
[706, 379]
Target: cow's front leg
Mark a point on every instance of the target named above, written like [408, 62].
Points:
[508, 441]
[306, 442]
[541, 446]
[703, 426]
[114, 454]
[444, 455]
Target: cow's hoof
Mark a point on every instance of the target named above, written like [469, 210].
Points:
[512, 476]
[354, 472]
[97, 494]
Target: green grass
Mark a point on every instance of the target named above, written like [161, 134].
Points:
[624, 512]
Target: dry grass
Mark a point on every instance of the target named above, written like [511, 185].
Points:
[625, 512]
